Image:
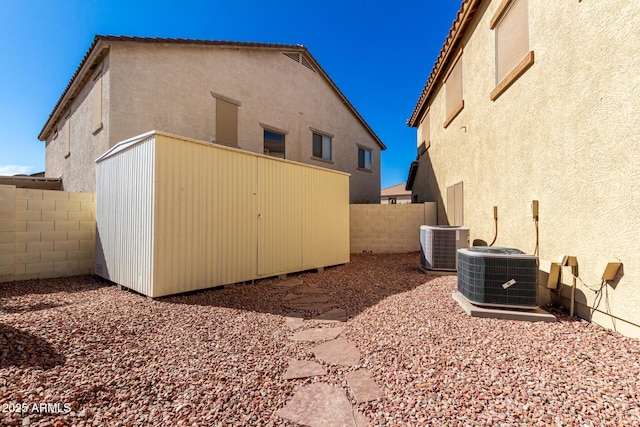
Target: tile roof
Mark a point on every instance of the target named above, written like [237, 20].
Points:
[395, 190]
[74, 83]
[449, 48]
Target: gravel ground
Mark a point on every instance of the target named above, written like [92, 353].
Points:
[217, 357]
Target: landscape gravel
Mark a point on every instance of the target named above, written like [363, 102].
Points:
[79, 351]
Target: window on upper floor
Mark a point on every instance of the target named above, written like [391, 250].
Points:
[453, 89]
[322, 146]
[512, 55]
[364, 158]
[96, 106]
[226, 122]
[424, 133]
[66, 134]
[274, 144]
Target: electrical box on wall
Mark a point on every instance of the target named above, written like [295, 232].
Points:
[533, 208]
[608, 267]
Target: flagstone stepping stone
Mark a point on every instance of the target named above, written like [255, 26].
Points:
[310, 290]
[335, 315]
[363, 387]
[294, 322]
[312, 299]
[318, 334]
[303, 369]
[337, 352]
[290, 297]
[322, 405]
[291, 283]
[315, 307]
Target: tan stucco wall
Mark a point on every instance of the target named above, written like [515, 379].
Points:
[168, 87]
[389, 228]
[78, 169]
[564, 134]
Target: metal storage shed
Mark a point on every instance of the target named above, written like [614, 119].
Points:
[175, 215]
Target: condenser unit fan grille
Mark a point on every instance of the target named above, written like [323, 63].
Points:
[506, 279]
[439, 245]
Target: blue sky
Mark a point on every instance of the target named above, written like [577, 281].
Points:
[379, 53]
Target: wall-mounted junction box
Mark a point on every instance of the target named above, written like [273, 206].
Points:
[608, 266]
[553, 273]
[533, 208]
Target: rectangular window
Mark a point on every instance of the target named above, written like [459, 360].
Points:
[321, 146]
[274, 144]
[364, 158]
[226, 122]
[424, 133]
[453, 90]
[66, 132]
[97, 103]
[511, 27]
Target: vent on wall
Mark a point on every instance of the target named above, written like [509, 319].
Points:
[499, 277]
[439, 245]
[301, 59]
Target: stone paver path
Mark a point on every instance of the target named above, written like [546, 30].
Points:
[294, 322]
[303, 369]
[319, 334]
[363, 387]
[321, 404]
[335, 315]
[337, 352]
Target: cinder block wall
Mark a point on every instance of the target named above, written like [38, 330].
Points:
[389, 228]
[46, 233]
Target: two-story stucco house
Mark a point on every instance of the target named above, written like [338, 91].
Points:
[540, 101]
[265, 98]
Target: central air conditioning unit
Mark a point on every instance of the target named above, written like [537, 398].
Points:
[498, 277]
[439, 245]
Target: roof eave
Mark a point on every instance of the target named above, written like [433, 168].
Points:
[94, 55]
[345, 100]
[449, 48]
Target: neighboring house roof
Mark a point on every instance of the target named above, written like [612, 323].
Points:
[395, 191]
[449, 49]
[101, 43]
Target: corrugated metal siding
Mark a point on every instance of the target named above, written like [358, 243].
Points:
[280, 217]
[326, 212]
[124, 250]
[207, 216]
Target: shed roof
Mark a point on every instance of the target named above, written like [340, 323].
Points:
[101, 43]
[449, 49]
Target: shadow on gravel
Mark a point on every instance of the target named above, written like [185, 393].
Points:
[33, 307]
[21, 349]
[363, 283]
[51, 286]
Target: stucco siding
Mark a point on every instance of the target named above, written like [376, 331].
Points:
[75, 162]
[563, 134]
[169, 87]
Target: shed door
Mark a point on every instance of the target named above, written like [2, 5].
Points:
[280, 210]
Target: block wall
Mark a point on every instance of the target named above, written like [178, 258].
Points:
[45, 233]
[389, 228]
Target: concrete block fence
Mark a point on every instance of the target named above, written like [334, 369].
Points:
[389, 228]
[45, 233]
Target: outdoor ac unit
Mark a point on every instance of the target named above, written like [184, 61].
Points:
[439, 244]
[499, 277]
